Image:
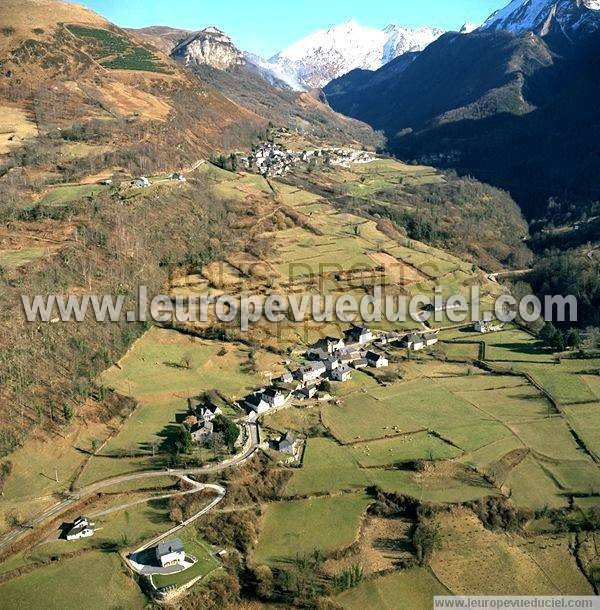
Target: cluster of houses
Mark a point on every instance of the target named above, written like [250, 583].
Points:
[334, 359]
[201, 419]
[270, 159]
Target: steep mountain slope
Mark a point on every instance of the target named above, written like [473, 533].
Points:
[212, 56]
[162, 37]
[572, 18]
[65, 66]
[327, 54]
[210, 47]
[489, 102]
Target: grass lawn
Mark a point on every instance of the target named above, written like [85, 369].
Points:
[300, 526]
[418, 405]
[13, 259]
[406, 448]
[327, 466]
[62, 195]
[585, 419]
[95, 580]
[415, 588]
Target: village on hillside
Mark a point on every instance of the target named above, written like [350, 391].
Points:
[271, 159]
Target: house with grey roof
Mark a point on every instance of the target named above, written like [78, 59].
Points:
[341, 373]
[376, 360]
[170, 552]
[288, 443]
[275, 397]
[82, 528]
[256, 403]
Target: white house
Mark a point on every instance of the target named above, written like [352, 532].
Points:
[82, 528]
[361, 335]
[274, 397]
[311, 372]
[141, 182]
[376, 360]
[288, 443]
[208, 411]
[342, 373]
[287, 378]
[308, 391]
[430, 339]
[256, 403]
[332, 345]
[170, 553]
[414, 341]
[178, 176]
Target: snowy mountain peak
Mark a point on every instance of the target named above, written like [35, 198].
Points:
[544, 16]
[325, 55]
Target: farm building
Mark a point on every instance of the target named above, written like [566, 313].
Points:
[430, 339]
[82, 528]
[141, 182]
[414, 342]
[170, 552]
[178, 176]
[376, 360]
[288, 443]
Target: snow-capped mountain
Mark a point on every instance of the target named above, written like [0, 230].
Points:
[325, 55]
[544, 16]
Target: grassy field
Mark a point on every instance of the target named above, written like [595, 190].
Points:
[468, 559]
[152, 373]
[406, 448]
[62, 195]
[300, 526]
[327, 467]
[13, 259]
[414, 589]
[94, 580]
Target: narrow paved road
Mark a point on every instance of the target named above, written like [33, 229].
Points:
[89, 490]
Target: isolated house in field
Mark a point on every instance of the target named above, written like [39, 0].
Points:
[288, 443]
[342, 373]
[256, 403]
[376, 360]
[82, 528]
[414, 342]
[361, 335]
[274, 397]
[106, 182]
[430, 339]
[310, 372]
[170, 553]
[201, 430]
[178, 176]
[141, 182]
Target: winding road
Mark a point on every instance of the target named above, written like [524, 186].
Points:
[183, 473]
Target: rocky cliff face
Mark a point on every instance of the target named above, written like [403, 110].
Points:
[210, 47]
